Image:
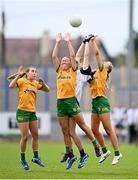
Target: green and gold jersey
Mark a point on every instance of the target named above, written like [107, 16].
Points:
[98, 85]
[27, 94]
[66, 82]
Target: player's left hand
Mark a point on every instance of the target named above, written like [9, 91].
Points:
[58, 37]
[67, 36]
[41, 81]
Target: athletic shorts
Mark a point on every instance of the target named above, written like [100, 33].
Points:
[67, 107]
[25, 116]
[100, 105]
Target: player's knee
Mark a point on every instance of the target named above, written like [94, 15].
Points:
[108, 131]
[95, 131]
[35, 136]
[72, 133]
[24, 138]
[65, 131]
[84, 127]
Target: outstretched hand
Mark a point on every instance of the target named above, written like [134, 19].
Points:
[94, 37]
[67, 37]
[58, 37]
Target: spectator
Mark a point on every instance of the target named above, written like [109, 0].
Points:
[119, 119]
[131, 125]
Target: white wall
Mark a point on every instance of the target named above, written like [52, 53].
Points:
[8, 123]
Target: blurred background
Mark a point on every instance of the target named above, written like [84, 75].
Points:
[27, 36]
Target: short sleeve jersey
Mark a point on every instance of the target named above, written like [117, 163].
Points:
[66, 83]
[98, 85]
[27, 94]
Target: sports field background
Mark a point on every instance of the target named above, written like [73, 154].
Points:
[51, 153]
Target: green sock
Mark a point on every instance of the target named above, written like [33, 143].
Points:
[104, 149]
[36, 154]
[94, 142]
[68, 149]
[117, 153]
[22, 156]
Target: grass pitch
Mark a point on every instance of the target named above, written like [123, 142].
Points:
[10, 167]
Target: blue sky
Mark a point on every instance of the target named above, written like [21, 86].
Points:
[106, 18]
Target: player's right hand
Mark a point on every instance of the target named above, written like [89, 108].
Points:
[21, 71]
[58, 37]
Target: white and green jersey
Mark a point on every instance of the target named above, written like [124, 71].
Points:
[80, 82]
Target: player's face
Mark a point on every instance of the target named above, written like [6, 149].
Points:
[32, 74]
[65, 63]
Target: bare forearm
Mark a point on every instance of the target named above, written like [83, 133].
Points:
[97, 53]
[79, 53]
[71, 50]
[45, 88]
[86, 62]
[72, 55]
[13, 83]
[55, 50]
[55, 55]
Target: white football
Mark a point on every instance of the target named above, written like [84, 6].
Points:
[75, 21]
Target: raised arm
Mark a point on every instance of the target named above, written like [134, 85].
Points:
[97, 53]
[67, 38]
[79, 54]
[19, 74]
[55, 58]
[86, 62]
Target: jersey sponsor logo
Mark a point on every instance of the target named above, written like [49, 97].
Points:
[67, 70]
[20, 118]
[29, 91]
[76, 109]
[64, 77]
[103, 109]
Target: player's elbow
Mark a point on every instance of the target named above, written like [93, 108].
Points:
[53, 56]
[86, 57]
[48, 89]
[11, 86]
[72, 56]
[97, 53]
[77, 57]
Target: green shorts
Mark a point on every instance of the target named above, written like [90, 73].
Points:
[67, 107]
[25, 116]
[100, 105]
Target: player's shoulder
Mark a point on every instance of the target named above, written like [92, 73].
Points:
[35, 81]
[58, 69]
[37, 84]
[22, 79]
[102, 68]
